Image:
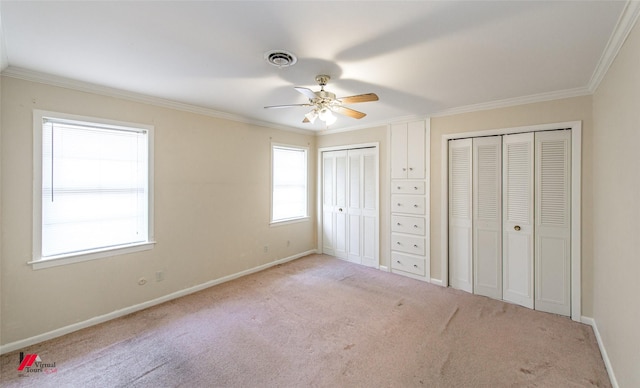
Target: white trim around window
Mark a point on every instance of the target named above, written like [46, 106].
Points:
[290, 184]
[71, 185]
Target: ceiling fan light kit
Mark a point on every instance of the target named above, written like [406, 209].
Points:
[325, 103]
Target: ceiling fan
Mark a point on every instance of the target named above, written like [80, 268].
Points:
[324, 103]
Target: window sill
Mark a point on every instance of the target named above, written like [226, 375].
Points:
[55, 261]
[289, 221]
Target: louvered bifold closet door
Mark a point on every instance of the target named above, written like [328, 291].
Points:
[518, 222]
[487, 216]
[460, 213]
[553, 222]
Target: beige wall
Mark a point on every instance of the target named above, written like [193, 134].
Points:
[616, 212]
[371, 135]
[571, 109]
[212, 209]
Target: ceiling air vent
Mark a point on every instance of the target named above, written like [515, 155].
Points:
[280, 58]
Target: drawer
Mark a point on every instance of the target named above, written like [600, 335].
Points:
[406, 263]
[411, 204]
[407, 187]
[407, 244]
[406, 224]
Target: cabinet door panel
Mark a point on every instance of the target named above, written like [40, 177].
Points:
[415, 150]
[399, 151]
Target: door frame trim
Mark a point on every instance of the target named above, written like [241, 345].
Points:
[320, 190]
[576, 200]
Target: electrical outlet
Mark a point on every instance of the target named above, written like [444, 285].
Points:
[266, 249]
[288, 243]
[159, 276]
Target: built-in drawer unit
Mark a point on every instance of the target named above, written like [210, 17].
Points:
[408, 244]
[406, 224]
[407, 263]
[411, 204]
[407, 187]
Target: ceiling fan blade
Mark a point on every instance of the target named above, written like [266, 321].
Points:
[348, 112]
[285, 106]
[359, 98]
[307, 92]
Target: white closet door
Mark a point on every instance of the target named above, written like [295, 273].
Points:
[553, 222]
[518, 222]
[369, 207]
[460, 223]
[487, 216]
[354, 209]
[335, 203]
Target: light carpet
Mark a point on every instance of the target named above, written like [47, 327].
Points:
[322, 322]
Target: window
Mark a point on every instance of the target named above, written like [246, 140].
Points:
[93, 193]
[289, 183]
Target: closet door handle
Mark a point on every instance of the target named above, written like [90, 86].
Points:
[516, 228]
[340, 209]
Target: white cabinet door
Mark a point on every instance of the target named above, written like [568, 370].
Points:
[460, 221]
[399, 151]
[553, 222]
[408, 150]
[334, 203]
[415, 150]
[487, 216]
[518, 222]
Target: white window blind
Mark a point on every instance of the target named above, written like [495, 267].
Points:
[289, 183]
[95, 193]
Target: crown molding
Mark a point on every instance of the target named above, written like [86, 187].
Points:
[625, 24]
[68, 83]
[508, 102]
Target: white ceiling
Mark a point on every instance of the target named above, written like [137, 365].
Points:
[420, 57]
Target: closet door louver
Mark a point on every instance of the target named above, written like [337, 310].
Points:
[553, 222]
[518, 222]
[460, 209]
[487, 216]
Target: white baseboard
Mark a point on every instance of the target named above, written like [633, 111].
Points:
[132, 309]
[437, 282]
[384, 268]
[607, 363]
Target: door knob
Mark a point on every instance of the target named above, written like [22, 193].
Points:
[516, 228]
[340, 209]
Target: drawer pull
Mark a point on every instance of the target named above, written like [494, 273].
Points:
[398, 242]
[398, 261]
[415, 245]
[399, 187]
[415, 205]
[399, 204]
[398, 224]
[415, 187]
[415, 226]
[410, 168]
[404, 169]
